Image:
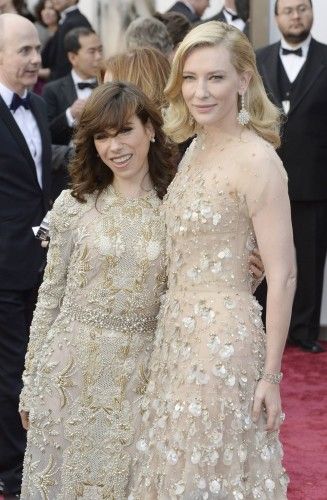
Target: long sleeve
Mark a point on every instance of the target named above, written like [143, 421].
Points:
[51, 291]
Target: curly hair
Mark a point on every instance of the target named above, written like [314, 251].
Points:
[110, 107]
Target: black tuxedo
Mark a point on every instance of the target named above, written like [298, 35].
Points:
[59, 95]
[182, 8]
[23, 204]
[220, 16]
[73, 19]
[304, 154]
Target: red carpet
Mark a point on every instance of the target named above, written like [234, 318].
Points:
[304, 433]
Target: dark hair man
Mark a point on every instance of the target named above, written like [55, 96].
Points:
[25, 156]
[294, 71]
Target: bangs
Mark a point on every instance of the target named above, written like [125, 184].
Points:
[109, 112]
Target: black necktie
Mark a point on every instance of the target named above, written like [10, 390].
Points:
[297, 52]
[86, 85]
[18, 101]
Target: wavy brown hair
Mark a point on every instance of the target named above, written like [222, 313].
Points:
[110, 107]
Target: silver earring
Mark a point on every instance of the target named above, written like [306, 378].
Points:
[153, 139]
[243, 116]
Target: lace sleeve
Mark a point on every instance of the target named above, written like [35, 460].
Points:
[51, 290]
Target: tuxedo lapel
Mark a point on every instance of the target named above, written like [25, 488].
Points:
[311, 71]
[270, 74]
[12, 126]
[46, 140]
[69, 90]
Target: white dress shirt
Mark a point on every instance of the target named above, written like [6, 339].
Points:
[238, 23]
[81, 94]
[29, 128]
[292, 63]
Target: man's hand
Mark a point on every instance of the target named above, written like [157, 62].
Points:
[24, 415]
[256, 266]
[76, 108]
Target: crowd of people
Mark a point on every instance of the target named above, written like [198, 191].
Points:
[135, 360]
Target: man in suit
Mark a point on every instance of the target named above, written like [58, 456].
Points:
[294, 71]
[70, 18]
[192, 9]
[66, 97]
[25, 156]
[235, 13]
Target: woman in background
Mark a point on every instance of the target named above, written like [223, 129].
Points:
[145, 67]
[46, 23]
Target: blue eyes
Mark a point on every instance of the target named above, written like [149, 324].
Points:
[212, 77]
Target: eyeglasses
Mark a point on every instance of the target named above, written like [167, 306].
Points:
[300, 10]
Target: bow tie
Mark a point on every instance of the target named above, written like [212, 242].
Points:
[233, 16]
[86, 85]
[18, 101]
[297, 52]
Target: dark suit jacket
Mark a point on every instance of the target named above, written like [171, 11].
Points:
[304, 135]
[73, 19]
[220, 16]
[59, 95]
[183, 9]
[23, 203]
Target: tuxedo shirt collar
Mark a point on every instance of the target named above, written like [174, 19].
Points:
[7, 94]
[304, 46]
[77, 79]
[189, 5]
[64, 13]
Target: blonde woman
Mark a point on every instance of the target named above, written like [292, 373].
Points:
[212, 408]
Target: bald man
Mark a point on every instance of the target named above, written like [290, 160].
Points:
[25, 156]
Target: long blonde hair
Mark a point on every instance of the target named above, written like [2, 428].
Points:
[265, 116]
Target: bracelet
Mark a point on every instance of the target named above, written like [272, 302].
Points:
[272, 378]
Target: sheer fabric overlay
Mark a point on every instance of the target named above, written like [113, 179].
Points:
[197, 439]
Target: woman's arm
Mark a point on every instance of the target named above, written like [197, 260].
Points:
[50, 293]
[272, 224]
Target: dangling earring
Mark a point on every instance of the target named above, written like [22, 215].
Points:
[191, 121]
[153, 139]
[243, 116]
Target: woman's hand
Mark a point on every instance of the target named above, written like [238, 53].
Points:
[256, 266]
[24, 415]
[267, 399]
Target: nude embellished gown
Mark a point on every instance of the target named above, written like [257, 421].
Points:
[197, 440]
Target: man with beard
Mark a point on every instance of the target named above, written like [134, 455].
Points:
[294, 71]
[236, 13]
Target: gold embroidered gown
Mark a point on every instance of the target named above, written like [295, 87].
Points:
[197, 440]
[90, 340]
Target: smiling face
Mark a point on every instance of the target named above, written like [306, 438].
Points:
[125, 152]
[211, 86]
[294, 19]
[20, 58]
